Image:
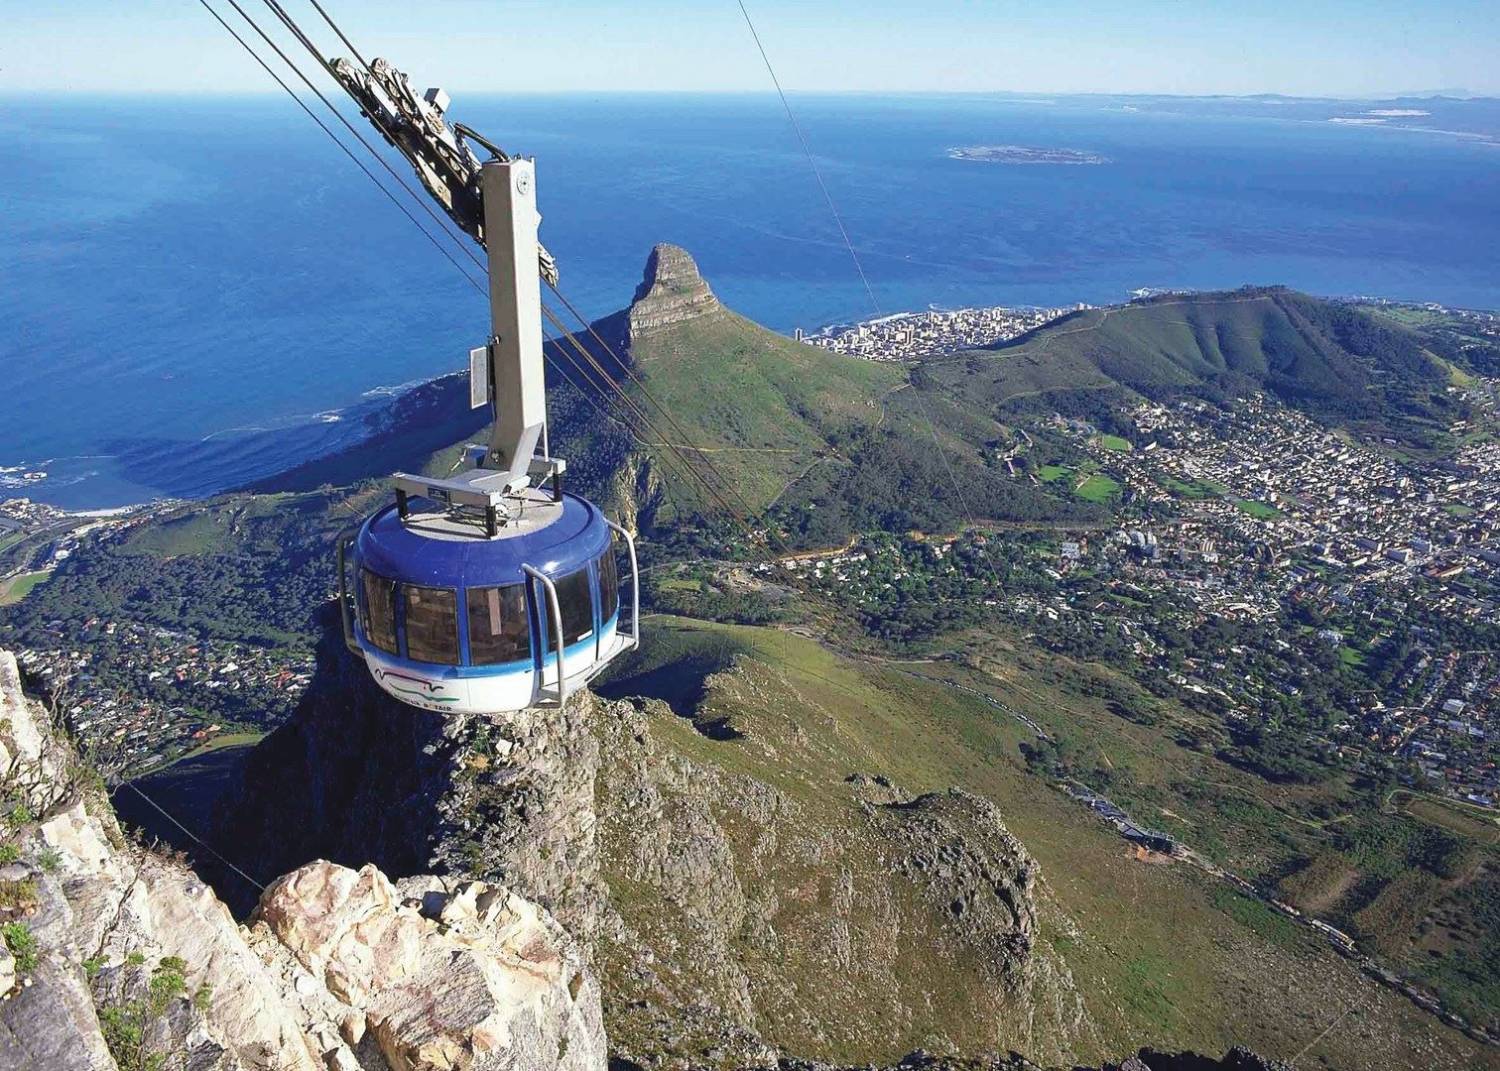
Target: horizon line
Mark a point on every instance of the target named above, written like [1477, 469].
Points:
[1430, 95]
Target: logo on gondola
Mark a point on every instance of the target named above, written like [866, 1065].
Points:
[426, 690]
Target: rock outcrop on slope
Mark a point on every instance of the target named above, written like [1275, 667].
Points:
[428, 973]
[749, 918]
[120, 955]
[672, 293]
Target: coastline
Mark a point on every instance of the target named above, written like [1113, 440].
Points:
[345, 445]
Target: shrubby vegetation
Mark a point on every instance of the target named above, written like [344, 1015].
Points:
[135, 1030]
[247, 569]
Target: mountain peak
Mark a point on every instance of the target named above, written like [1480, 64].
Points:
[671, 292]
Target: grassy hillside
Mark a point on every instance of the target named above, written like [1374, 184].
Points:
[1155, 952]
[762, 406]
[830, 445]
[1337, 363]
[839, 445]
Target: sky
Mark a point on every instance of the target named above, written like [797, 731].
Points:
[1353, 48]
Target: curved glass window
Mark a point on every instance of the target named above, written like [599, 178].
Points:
[431, 624]
[609, 585]
[577, 606]
[499, 630]
[378, 610]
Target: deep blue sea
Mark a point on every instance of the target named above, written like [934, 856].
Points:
[198, 292]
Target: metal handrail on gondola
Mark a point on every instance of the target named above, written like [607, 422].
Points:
[345, 539]
[555, 613]
[635, 584]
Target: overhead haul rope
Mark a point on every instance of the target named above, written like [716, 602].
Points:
[442, 221]
[672, 451]
[581, 377]
[587, 390]
[291, 25]
[807, 151]
[347, 152]
[864, 279]
[625, 369]
[347, 43]
[197, 839]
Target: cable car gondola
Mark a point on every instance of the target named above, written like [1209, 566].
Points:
[448, 619]
[493, 590]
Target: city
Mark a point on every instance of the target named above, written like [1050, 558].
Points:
[137, 696]
[924, 334]
[1328, 553]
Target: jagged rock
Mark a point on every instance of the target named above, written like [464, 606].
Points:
[958, 851]
[36, 768]
[637, 491]
[488, 980]
[119, 909]
[876, 789]
[671, 293]
[472, 978]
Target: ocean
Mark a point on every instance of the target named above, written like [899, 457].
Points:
[199, 292]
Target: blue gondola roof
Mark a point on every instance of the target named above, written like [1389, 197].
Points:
[391, 549]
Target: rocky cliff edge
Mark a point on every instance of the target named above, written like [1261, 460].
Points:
[114, 955]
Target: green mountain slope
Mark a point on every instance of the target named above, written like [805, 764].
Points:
[836, 445]
[1337, 363]
[764, 407]
[1128, 949]
[831, 444]
[749, 408]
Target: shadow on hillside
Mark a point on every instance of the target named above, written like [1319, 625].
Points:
[189, 791]
[352, 777]
[681, 684]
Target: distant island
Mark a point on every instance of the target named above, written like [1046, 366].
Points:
[1020, 154]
